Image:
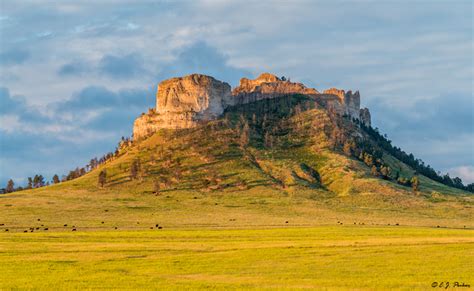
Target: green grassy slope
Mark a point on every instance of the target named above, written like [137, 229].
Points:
[207, 180]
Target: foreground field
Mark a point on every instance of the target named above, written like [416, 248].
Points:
[322, 257]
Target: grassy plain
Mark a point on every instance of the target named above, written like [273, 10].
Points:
[227, 217]
[326, 257]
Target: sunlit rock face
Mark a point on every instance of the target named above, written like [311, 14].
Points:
[267, 86]
[350, 101]
[185, 101]
[200, 94]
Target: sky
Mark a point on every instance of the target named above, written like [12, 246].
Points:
[75, 74]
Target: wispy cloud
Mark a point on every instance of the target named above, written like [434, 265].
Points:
[412, 62]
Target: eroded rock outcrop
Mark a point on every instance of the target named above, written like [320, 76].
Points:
[365, 116]
[185, 101]
[350, 101]
[267, 86]
[201, 94]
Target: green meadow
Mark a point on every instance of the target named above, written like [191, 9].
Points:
[326, 257]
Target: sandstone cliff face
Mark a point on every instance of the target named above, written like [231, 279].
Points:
[267, 86]
[204, 95]
[349, 100]
[150, 123]
[184, 102]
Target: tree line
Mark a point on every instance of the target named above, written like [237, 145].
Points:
[39, 180]
[417, 164]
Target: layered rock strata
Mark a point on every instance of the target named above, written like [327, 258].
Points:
[267, 86]
[184, 102]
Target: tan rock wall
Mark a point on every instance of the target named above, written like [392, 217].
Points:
[267, 86]
[185, 101]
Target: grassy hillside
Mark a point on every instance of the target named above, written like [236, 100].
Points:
[208, 179]
[262, 198]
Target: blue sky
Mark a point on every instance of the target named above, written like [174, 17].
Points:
[74, 75]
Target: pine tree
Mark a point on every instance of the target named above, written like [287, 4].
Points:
[385, 171]
[254, 120]
[268, 140]
[374, 171]
[244, 135]
[397, 175]
[470, 187]
[102, 178]
[10, 186]
[38, 181]
[368, 159]
[55, 179]
[135, 169]
[347, 148]
[30, 183]
[415, 183]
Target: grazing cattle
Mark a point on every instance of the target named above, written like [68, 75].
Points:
[159, 227]
[46, 228]
[65, 225]
[6, 229]
[286, 221]
[73, 229]
[25, 231]
[102, 222]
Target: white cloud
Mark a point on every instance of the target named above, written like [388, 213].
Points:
[466, 173]
[10, 123]
[396, 53]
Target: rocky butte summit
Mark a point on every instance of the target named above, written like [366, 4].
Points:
[184, 102]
